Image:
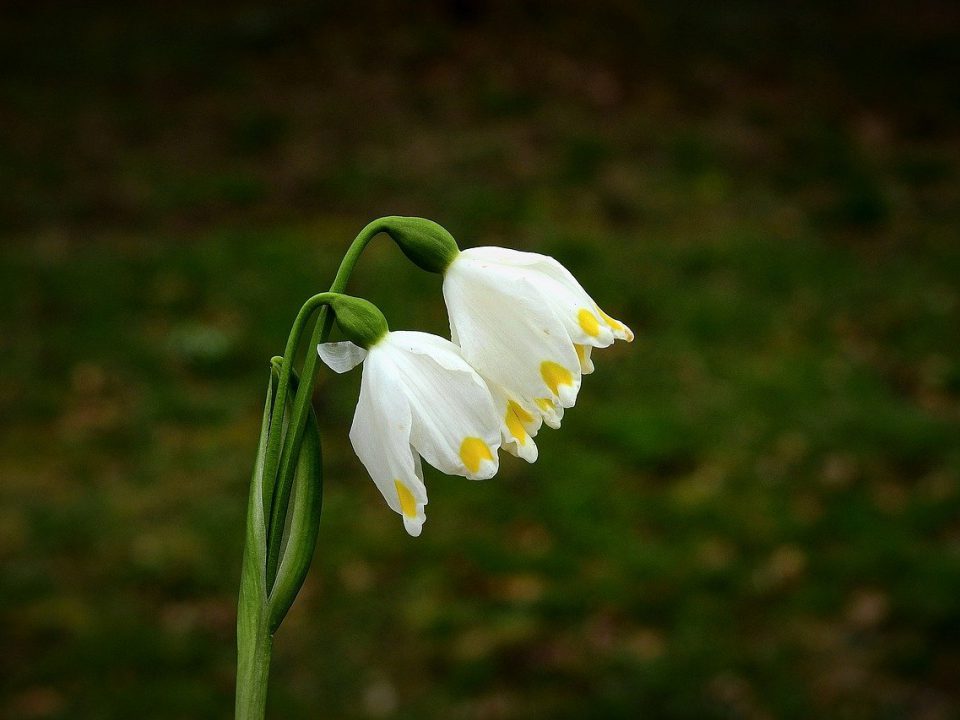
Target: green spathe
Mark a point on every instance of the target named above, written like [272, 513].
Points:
[425, 242]
[359, 320]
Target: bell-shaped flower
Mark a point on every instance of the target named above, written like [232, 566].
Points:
[418, 397]
[528, 327]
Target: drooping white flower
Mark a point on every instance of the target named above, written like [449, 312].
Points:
[418, 397]
[528, 327]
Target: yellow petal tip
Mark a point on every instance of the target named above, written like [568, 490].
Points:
[555, 375]
[408, 503]
[515, 418]
[473, 451]
[588, 322]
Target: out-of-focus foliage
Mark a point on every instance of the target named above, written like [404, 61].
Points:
[753, 510]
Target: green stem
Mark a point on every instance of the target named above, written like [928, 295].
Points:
[287, 463]
[253, 672]
[253, 612]
[286, 368]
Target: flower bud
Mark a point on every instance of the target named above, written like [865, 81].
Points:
[359, 320]
[425, 242]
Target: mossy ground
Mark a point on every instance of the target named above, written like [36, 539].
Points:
[752, 511]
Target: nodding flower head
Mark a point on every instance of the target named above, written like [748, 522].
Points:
[418, 397]
[528, 327]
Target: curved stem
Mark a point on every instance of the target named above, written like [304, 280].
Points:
[298, 419]
[272, 459]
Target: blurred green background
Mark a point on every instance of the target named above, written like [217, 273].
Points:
[753, 511]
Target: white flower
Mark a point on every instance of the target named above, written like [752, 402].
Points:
[528, 327]
[418, 396]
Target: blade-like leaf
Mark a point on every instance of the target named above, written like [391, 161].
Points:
[253, 638]
[304, 523]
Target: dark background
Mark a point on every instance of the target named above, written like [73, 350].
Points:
[751, 513]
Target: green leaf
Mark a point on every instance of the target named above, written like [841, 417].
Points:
[253, 635]
[304, 523]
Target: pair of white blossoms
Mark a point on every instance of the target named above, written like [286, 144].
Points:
[522, 331]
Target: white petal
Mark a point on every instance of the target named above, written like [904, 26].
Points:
[381, 438]
[341, 356]
[519, 423]
[620, 331]
[585, 322]
[454, 423]
[574, 308]
[549, 267]
[493, 255]
[413, 523]
[583, 355]
[507, 333]
[551, 411]
[442, 351]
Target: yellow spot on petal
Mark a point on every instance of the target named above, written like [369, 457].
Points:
[545, 404]
[555, 375]
[615, 324]
[588, 321]
[473, 451]
[521, 413]
[515, 418]
[581, 353]
[408, 503]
